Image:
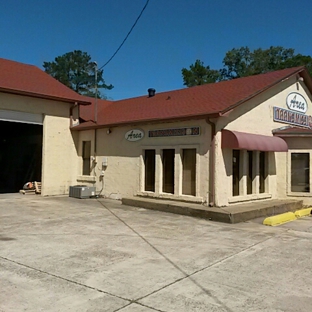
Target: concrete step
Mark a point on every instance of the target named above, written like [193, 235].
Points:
[230, 214]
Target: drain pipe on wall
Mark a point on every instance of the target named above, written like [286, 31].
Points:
[212, 164]
[95, 121]
[95, 104]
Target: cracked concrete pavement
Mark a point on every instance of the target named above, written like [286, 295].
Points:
[67, 254]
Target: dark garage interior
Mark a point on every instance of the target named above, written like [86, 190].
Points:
[20, 155]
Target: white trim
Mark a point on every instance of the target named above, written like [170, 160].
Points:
[85, 178]
[288, 190]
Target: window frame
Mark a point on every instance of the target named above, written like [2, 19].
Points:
[178, 172]
[289, 191]
[253, 171]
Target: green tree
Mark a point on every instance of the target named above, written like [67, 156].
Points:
[236, 63]
[242, 62]
[270, 59]
[77, 71]
[299, 60]
[198, 74]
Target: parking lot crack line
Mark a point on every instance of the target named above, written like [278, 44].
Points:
[138, 303]
[186, 275]
[63, 278]
[189, 276]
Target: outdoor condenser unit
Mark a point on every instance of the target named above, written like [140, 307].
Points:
[81, 191]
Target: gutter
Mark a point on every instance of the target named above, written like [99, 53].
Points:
[141, 122]
[46, 97]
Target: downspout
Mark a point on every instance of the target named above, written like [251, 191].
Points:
[212, 164]
[95, 106]
[95, 116]
[71, 123]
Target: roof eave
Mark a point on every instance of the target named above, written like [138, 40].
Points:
[43, 96]
[145, 121]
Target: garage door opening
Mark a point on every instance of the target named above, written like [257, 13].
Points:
[20, 155]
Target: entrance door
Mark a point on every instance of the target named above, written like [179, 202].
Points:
[168, 171]
[149, 162]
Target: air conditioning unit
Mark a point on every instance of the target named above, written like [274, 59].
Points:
[81, 191]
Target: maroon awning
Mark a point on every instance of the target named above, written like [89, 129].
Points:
[252, 142]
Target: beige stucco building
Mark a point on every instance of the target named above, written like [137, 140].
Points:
[247, 139]
[36, 142]
[218, 144]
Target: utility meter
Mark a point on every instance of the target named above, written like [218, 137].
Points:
[104, 162]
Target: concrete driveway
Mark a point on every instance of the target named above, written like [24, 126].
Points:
[66, 254]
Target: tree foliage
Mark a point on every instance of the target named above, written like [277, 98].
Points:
[77, 71]
[198, 74]
[243, 62]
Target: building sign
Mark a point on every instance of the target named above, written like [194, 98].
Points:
[292, 117]
[296, 102]
[134, 135]
[174, 132]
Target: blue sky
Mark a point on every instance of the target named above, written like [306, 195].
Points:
[170, 35]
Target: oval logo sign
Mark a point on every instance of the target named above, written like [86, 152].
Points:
[297, 102]
[134, 135]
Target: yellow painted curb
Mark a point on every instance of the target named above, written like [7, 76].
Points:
[280, 219]
[303, 212]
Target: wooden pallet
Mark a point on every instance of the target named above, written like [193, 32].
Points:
[36, 190]
[28, 192]
[38, 187]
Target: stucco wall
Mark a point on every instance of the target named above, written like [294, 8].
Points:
[59, 156]
[124, 176]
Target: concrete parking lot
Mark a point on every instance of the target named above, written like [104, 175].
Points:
[67, 254]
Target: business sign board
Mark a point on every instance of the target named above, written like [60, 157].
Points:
[296, 102]
[172, 132]
[291, 117]
[296, 114]
[134, 135]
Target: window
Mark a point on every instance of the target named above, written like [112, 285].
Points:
[236, 172]
[249, 169]
[249, 172]
[168, 171]
[160, 177]
[262, 172]
[189, 171]
[149, 163]
[300, 172]
[86, 153]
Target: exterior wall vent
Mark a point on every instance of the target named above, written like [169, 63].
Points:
[151, 92]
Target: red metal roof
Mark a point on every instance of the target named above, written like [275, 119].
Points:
[195, 102]
[29, 80]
